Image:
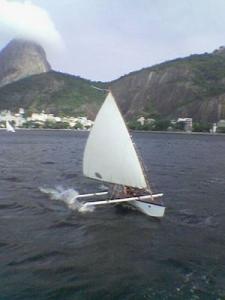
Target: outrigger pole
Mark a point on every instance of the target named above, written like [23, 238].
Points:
[92, 194]
[122, 200]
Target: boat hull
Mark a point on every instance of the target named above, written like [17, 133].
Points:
[142, 203]
[150, 209]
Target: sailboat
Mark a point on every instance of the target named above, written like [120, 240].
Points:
[110, 157]
[9, 127]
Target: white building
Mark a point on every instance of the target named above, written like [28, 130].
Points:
[85, 122]
[214, 128]
[43, 117]
[141, 120]
[221, 126]
[187, 123]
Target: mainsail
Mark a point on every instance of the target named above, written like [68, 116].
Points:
[9, 127]
[110, 154]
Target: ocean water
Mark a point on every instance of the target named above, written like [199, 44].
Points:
[50, 249]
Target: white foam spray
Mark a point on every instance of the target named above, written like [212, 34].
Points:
[68, 196]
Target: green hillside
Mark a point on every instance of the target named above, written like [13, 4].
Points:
[193, 87]
[53, 92]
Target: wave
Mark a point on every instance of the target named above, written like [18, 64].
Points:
[189, 218]
[68, 196]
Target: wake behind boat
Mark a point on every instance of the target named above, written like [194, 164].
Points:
[110, 156]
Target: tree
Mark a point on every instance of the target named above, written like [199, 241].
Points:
[201, 127]
[78, 125]
[161, 125]
[179, 126]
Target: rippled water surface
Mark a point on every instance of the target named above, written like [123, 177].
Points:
[50, 250]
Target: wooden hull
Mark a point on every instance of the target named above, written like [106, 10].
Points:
[150, 209]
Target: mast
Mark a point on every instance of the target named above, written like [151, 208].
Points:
[9, 127]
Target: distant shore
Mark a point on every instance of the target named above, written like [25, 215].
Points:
[179, 132]
[44, 129]
[141, 131]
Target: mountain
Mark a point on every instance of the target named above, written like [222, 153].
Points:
[187, 87]
[20, 59]
[193, 86]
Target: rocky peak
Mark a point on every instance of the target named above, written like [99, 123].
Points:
[21, 58]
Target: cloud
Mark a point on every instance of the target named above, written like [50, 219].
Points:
[27, 20]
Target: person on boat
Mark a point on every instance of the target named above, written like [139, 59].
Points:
[129, 191]
[134, 192]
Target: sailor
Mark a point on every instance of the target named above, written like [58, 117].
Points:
[129, 191]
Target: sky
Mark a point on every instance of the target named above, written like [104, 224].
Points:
[105, 39]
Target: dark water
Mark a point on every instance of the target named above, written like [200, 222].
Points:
[49, 251]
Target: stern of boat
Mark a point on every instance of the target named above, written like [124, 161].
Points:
[150, 209]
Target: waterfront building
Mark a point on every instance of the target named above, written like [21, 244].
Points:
[187, 123]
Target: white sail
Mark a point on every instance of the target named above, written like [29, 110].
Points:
[109, 154]
[9, 127]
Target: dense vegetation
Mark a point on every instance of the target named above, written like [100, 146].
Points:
[53, 92]
[165, 125]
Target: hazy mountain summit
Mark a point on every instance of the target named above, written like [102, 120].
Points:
[21, 58]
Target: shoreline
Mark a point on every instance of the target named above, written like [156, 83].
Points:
[141, 131]
[44, 129]
[179, 132]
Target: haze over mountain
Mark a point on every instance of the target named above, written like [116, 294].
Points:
[189, 87]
